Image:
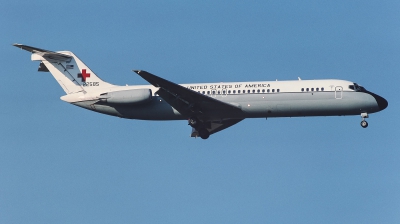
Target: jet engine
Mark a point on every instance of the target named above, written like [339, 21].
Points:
[132, 96]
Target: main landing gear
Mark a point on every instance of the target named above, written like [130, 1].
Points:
[199, 126]
[364, 123]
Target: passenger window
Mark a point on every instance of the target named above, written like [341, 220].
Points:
[302, 89]
[263, 90]
[213, 92]
[208, 92]
[258, 90]
[268, 90]
[204, 92]
[248, 91]
[238, 91]
[229, 91]
[317, 89]
[322, 89]
[219, 92]
[273, 90]
[312, 89]
[254, 90]
[277, 90]
[307, 89]
[234, 91]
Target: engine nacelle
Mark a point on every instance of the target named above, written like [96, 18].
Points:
[133, 96]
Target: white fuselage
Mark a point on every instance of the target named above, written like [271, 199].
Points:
[256, 99]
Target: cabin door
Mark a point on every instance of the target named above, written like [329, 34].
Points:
[338, 92]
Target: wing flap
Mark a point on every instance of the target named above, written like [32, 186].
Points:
[215, 127]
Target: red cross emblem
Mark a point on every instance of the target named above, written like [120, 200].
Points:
[83, 75]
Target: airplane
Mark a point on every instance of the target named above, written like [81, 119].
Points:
[208, 107]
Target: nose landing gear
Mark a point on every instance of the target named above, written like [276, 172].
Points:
[199, 126]
[364, 123]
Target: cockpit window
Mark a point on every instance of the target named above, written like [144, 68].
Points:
[357, 87]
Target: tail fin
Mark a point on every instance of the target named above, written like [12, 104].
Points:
[69, 71]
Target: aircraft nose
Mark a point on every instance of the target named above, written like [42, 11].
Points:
[382, 102]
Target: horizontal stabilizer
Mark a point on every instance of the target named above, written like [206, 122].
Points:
[45, 53]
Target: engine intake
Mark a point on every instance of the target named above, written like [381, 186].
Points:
[133, 96]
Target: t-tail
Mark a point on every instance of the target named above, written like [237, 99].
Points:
[69, 71]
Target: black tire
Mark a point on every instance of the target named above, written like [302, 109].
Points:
[204, 134]
[364, 124]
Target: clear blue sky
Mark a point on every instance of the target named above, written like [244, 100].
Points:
[63, 164]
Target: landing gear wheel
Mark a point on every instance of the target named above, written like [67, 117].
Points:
[204, 134]
[364, 124]
[193, 121]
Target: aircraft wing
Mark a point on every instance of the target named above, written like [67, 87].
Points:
[188, 102]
